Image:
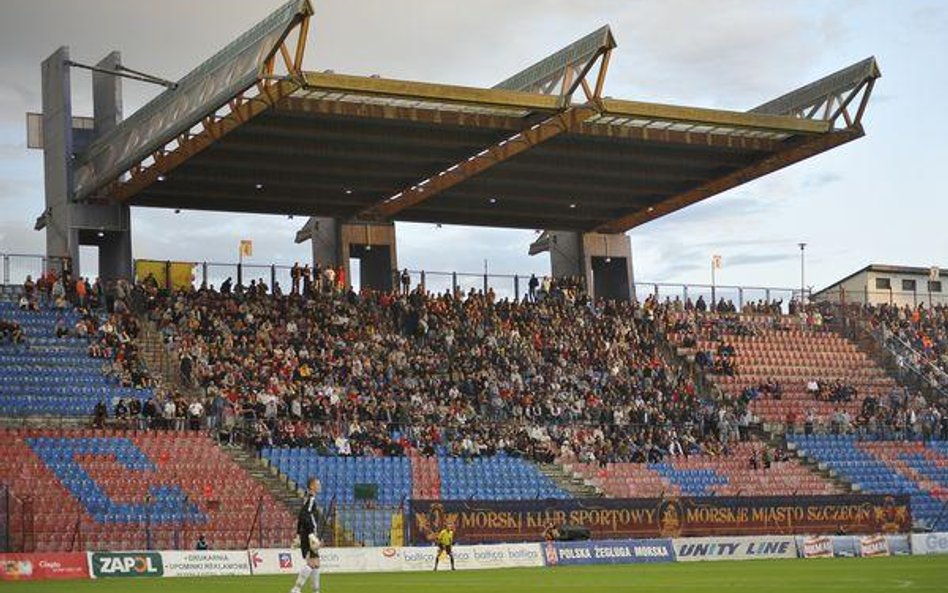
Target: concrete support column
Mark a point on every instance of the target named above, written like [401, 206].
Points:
[61, 238]
[115, 225]
[604, 262]
[335, 243]
[70, 224]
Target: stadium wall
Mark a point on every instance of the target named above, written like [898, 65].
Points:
[161, 564]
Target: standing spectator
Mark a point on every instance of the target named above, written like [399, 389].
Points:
[329, 278]
[307, 281]
[196, 414]
[406, 281]
[532, 285]
[186, 367]
[295, 274]
[81, 292]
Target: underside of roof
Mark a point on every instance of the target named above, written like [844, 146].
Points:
[524, 154]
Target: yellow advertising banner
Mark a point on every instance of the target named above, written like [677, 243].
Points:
[182, 273]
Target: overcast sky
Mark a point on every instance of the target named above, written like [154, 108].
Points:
[876, 200]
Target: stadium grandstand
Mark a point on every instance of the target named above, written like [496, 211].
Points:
[161, 405]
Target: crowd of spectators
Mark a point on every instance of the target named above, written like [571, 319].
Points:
[552, 376]
[920, 336]
[463, 374]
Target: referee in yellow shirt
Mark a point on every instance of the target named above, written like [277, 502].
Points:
[445, 539]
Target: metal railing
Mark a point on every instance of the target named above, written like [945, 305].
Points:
[901, 298]
[927, 374]
[514, 286]
[17, 266]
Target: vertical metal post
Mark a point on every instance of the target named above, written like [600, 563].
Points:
[485, 276]
[204, 273]
[168, 283]
[454, 283]
[6, 514]
[240, 274]
[713, 288]
[424, 283]
[516, 287]
[740, 297]
[802, 273]
[148, 542]
[273, 277]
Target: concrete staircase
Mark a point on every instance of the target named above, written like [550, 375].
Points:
[278, 484]
[574, 485]
[154, 353]
[821, 469]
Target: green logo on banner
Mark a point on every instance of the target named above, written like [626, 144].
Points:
[127, 564]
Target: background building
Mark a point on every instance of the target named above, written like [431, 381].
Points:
[879, 283]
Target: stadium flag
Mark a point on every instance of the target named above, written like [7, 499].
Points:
[716, 262]
[246, 248]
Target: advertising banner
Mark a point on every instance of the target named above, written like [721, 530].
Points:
[871, 546]
[898, 545]
[275, 561]
[526, 520]
[474, 557]
[125, 564]
[930, 543]
[734, 548]
[360, 559]
[828, 546]
[205, 563]
[820, 546]
[336, 560]
[608, 552]
[40, 567]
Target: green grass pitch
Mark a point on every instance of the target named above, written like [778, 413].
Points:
[859, 575]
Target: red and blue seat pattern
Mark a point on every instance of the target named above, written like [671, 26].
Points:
[106, 489]
[702, 475]
[915, 468]
[50, 376]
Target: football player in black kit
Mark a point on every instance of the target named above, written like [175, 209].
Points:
[308, 526]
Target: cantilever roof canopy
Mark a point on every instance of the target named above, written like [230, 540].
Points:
[523, 154]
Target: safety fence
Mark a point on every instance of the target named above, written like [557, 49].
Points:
[929, 294]
[16, 267]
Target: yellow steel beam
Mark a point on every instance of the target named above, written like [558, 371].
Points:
[301, 45]
[549, 128]
[666, 136]
[713, 117]
[287, 60]
[212, 131]
[804, 149]
[422, 91]
[400, 113]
